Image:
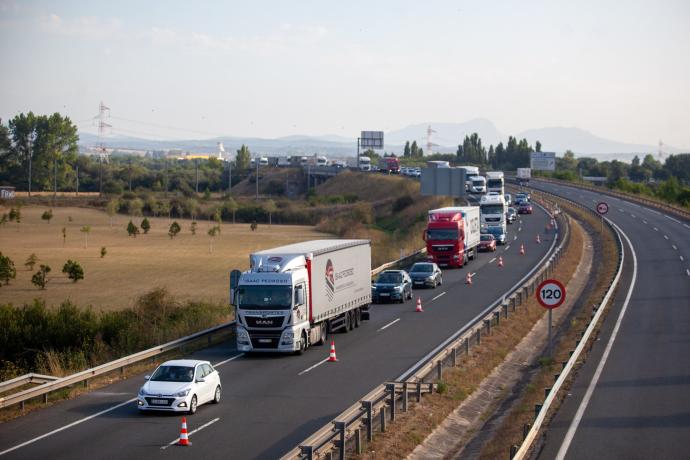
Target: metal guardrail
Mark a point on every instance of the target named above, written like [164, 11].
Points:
[48, 384]
[55, 383]
[531, 435]
[381, 404]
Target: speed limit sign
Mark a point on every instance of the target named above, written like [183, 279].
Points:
[551, 294]
[602, 208]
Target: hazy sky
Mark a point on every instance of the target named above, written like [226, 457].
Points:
[620, 69]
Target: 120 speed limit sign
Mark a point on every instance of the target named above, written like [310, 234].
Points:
[551, 294]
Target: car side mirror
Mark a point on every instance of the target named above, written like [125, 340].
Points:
[200, 380]
[147, 377]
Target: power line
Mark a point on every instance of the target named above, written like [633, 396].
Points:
[175, 128]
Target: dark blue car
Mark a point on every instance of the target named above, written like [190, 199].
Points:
[391, 286]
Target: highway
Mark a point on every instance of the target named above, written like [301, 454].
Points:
[631, 399]
[272, 403]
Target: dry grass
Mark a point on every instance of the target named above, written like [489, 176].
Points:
[510, 431]
[411, 428]
[132, 266]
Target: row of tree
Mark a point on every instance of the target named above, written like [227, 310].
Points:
[8, 271]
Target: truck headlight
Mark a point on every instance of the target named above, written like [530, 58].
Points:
[242, 334]
[288, 336]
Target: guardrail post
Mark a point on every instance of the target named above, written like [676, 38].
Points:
[563, 364]
[497, 314]
[525, 430]
[45, 398]
[122, 372]
[329, 455]
[439, 369]
[307, 451]
[479, 336]
[454, 356]
[546, 392]
[419, 391]
[505, 310]
[513, 303]
[358, 441]
[519, 297]
[382, 413]
[404, 397]
[487, 323]
[21, 406]
[340, 426]
[537, 408]
[467, 346]
[86, 383]
[390, 387]
[555, 377]
[369, 407]
[513, 450]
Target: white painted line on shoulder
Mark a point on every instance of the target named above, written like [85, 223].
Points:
[438, 296]
[507, 247]
[633, 215]
[654, 211]
[656, 229]
[75, 423]
[492, 260]
[674, 247]
[665, 237]
[313, 367]
[671, 218]
[686, 225]
[228, 360]
[389, 324]
[620, 210]
[570, 434]
[681, 258]
[687, 271]
[645, 222]
[205, 425]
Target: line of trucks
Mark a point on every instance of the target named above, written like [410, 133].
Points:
[294, 296]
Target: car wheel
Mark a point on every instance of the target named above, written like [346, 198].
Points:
[440, 281]
[216, 395]
[193, 405]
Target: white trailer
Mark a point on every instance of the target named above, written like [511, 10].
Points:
[524, 175]
[293, 296]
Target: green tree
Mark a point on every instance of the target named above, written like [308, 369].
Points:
[64, 236]
[47, 215]
[243, 158]
[230, 206]
[86, 229]
[132, 230]
[111, 209]
[212, 232]
[537, 147]
[635, 161]
[104, 251]
[415, 151]
[145, 225]
[31, 261]
[7, 270]
[174, 229]
[135, 207]
[192, 227]
[270, 207]
[74, 271]
[40, 278]
[406, 150]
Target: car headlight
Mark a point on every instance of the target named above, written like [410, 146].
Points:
[429, 278]
[142, 392]
[373, 288]
[182, 393]
[398, 288]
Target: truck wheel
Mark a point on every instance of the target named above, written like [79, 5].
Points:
[302, 345]
[324, 333]
[347, 323]
[358, 317]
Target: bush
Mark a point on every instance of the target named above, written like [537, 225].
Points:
[402, 202]
[7, 270]
[74, 271]
[40, 278]
[145, 225]
[47, 215]
[104, 251]
[132, 230]
[174, 229]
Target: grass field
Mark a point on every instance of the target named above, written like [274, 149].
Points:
[132, 266]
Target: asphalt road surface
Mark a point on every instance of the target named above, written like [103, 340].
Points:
[272, 403]
[631, 400]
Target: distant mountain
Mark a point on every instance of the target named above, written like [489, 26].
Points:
[447, 135]
[446, 138]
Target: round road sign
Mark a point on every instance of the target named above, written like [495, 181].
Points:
[551, 294]
[602, 208]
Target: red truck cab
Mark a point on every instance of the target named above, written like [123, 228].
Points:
[389, 165]
[452, 235]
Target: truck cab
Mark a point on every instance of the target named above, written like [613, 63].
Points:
[493, 216]
[478, 184]
[452, 235]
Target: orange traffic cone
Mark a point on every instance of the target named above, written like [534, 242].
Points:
[184, 439]
[500, 261]
[468, 278]
[522, 249]
[538, 239]
[419, 305]
[331, 357]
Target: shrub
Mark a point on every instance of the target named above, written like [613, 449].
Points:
[31, 261]
[132, 230]
[192, 227]
[47, 215]
[7, 270]
[104, 251]
[402, 202]
[145, 225]
[174, 229]
[73, 270]
[40, 278]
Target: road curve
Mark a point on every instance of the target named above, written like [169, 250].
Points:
[631, 399]
[271, 403]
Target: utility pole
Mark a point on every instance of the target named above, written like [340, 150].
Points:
[32, 138]
[257, 178]
[130, 174]
[77, 167]
[229, 177]
[356, 166]
[55, 176]
[165, 160]
[100, 175]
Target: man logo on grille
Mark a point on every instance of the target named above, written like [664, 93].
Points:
[330, 280]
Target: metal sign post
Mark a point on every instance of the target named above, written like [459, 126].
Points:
[602, 208]
[551, 294]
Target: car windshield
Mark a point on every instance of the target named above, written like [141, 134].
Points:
[486, 237]
[422, 268]
[511, 211]
[442, 234]
[173, 374]
[524, 204]
[389, 278]
[492, 208]
[265, 297]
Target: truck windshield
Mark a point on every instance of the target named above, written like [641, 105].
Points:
[491, 183]
[442, 234]
[265, 297]
[477, 182]
[492, 209]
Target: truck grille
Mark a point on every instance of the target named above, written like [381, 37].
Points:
[442, 248]
[258, 321]
[265, 339]
[492, 219]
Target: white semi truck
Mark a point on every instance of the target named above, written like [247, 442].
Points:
[493, 216]
[495, 182]
[293, 296]
[524, 175]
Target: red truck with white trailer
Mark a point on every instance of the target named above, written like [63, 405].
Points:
[389, 165]
[452, 235]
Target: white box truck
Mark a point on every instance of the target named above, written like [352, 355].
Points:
[293, 296]
[524, 175]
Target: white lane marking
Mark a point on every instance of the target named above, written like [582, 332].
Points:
[633, 215]
[519, 229]
[205, 425]
[665, 237]
[671, 218]
[656, 229]
[228, 360]
[75, 423]
[654, 211]
[687, 271]
[440, 295]
[389, 324]
[636, 205]
[645, 222]
[619, 209]
[686, 225]
[590, 389]
[492, 260]
[681, 258]
[314, 366]
[507, 247]
[515, 238]
[674, 247]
